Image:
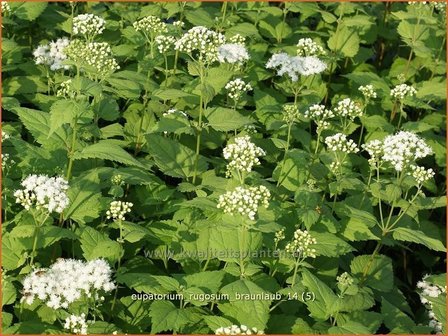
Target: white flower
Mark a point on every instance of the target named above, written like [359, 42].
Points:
[238, 330]
[421, 174]
[402, 90]
[5, 136]
[340, 143]
[293, 66]
[375, 150]
[232, 53]
[165, 43]
[172, 112]
[244, 201]
[236, 88]
[88, 25]
[67, 281]
[279, 235]
[368, 91]
[118, 210]
[345, 279]
[290, 113]
[301, 245]
[76, 324]
[41, 55]
[178, 24]
[242, 155]
[52, 54]
[65, 89]
[151, 24]
[307, 47]
[429, 291]
[320, 115]
[201, 43]
[403, 148]
[6, 9]
[43, 192]
[96, 55]
[347, 108]
[238, 39]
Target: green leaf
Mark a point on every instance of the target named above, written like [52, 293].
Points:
[9, 292]
[173, 158]
[216, 322]
[330, 245]
[325, 303]
[395, 319]
[171, 94]
[84, 194]
[224, 119]
[378, 270]
[12, 252]
[65, 112]
[29, 10]
[107, 150]
[344, 41]
[166, 316]
[350, 328]
[243, 308]
[98, 245]
[419, 237]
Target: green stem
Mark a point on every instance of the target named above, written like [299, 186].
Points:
[288, 138]
[242, 243]
[198, 138]
[296, 267]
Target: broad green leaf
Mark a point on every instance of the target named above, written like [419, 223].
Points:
[65, 112]
[29, 10]
[377, 269]
[173, 158]
[224, 119]
[95, 244]
[165, 316]
[330, 245]
[344, 41]
[350, 328]
[394, 318]
[419, 237]
[107, 150]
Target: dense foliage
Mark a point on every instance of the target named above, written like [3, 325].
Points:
[227, 168]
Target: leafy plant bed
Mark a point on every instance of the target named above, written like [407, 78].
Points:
[223, 168]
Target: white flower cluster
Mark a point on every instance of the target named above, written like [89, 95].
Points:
[236, 88]
[421, 174]
[232, 53]
[375, 150]
[5, 136]
[301, 246]
[344, 280]
[118, 210]
[307, 47]
[88, 25]
[174, 111]
[178, 24]
[403, 148]
[347, 108]
[368, 91]
[320, 115]
[76, 324]
[151, 24]
[43, 192]
[6, 9]
[290, 113]
[238, 330]
[293, 66]
[242, 155]
[66, 281]
[52, 54]
[340, 143]
[65, 89]
[117, 180]
[237, 39]
[244, 201]
[432, 291]
[402, 90]
[279, 235]
[201, 43]
[6, 161]
[97, 55]
[250, 129]
[165, 43]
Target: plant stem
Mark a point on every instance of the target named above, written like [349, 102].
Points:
[198, 138]
[288, 138]
[296, 267]
[242, 244]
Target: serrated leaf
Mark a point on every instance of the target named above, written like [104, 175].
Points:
[95, 245]
[378, 270]
[107, 150]
[173, 158]
[418, 237]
